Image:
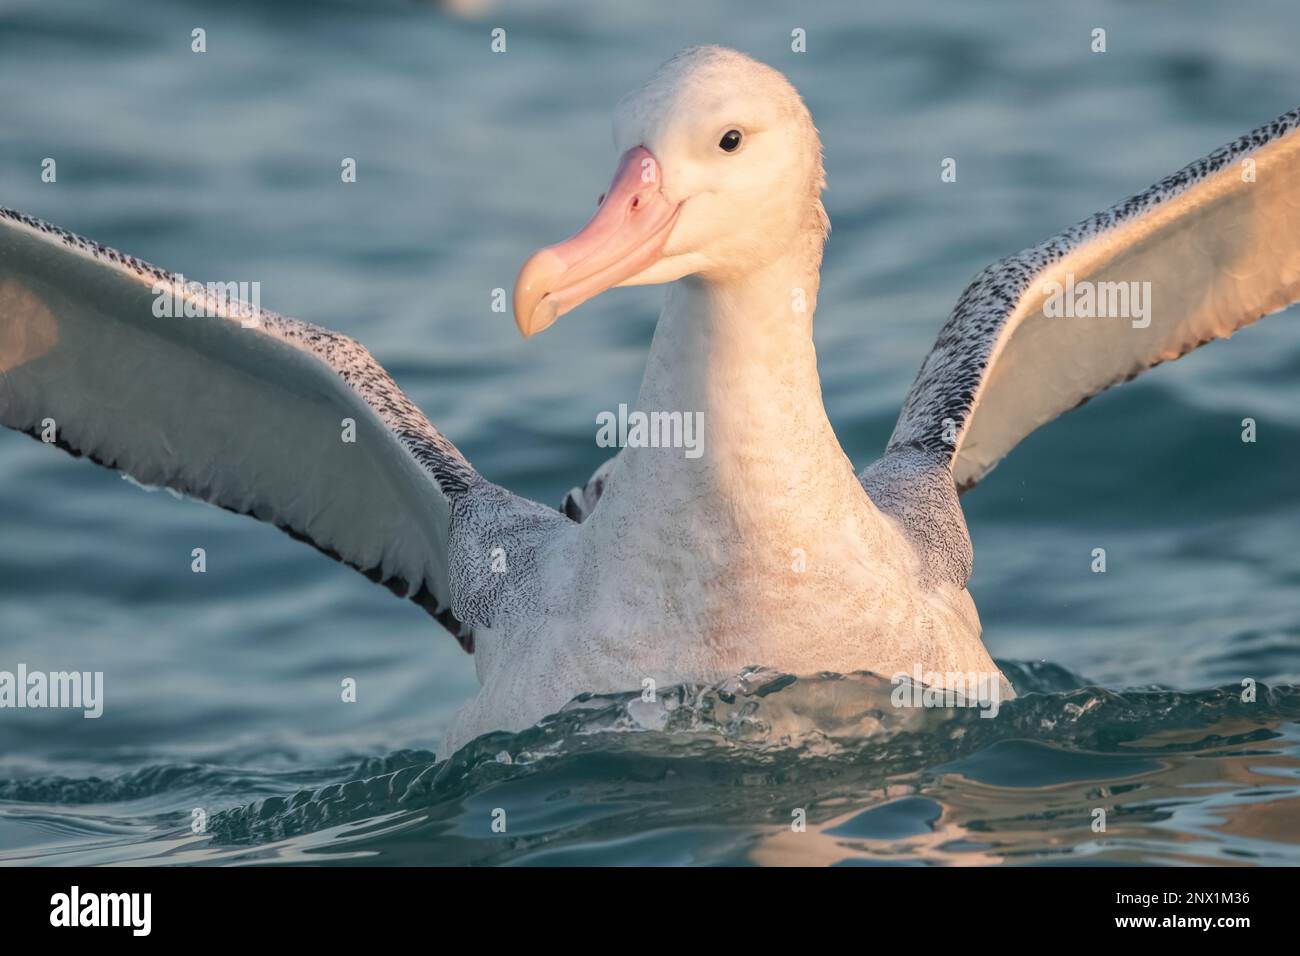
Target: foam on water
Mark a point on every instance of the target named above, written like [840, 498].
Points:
[721, 773]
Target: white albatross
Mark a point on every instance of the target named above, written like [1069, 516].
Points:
[767, 549]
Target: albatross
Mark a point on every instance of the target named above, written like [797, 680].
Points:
[770, 547]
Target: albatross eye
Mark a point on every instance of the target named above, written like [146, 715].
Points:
[730, 141]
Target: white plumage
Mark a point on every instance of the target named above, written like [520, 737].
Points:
[768, 548]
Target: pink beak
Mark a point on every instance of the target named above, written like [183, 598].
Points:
[626, 235]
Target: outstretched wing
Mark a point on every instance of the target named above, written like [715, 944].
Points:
[1200, 254]
[257, 413]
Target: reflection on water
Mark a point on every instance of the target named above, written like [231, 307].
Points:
[767, 770]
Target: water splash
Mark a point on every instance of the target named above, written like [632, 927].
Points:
[764, 767]
[743, 755]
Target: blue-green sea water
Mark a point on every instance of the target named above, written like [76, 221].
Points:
[223, 689]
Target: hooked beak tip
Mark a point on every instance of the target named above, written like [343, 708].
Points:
[535, 309]
[538, 319]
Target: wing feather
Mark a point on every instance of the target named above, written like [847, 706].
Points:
[245, 409]
[1210, 249]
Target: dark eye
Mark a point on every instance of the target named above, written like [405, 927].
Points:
[730, 141]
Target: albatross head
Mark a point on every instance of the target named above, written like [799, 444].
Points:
[720, 174]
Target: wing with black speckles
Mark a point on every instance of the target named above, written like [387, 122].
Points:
[257, 413]
[1202, 253]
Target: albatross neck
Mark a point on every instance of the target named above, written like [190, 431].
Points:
[740, 353]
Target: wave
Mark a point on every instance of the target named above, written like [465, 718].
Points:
[720, 773]
[752, 746]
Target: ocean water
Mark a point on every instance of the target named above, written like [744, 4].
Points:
[223, 688]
